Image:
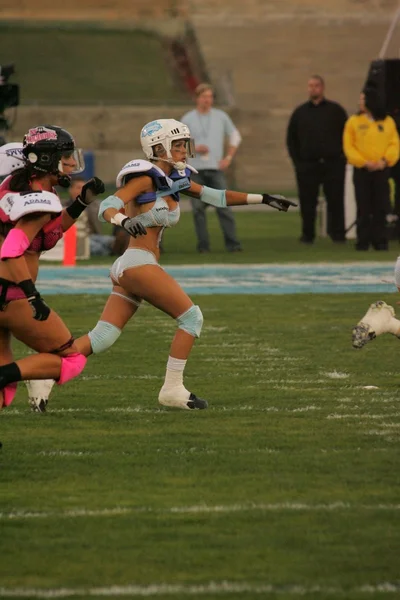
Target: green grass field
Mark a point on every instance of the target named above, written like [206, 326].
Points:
[287, 486]
[267, 237]
[73, 55]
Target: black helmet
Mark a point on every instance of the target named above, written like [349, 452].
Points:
[44, 147]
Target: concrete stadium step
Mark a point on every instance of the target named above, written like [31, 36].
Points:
[272, 61]
[238, 12]
[92, 10]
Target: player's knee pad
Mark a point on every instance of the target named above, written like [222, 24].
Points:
[71, 366]
[191, 321]
[103, 336]
[9, 393]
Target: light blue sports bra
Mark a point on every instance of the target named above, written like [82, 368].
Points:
[159, 215]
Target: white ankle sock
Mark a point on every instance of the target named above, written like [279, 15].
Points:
[174, 372]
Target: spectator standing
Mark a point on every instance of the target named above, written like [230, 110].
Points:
[314, 143]
[395, 175]
[371, 145]
[210, 128]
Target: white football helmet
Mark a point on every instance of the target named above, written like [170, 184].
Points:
[11, 158]
[165, 131]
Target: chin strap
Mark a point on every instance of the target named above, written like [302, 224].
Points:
[64, 181]
[179, 166]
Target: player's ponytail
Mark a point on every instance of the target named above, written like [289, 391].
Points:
[20, 180]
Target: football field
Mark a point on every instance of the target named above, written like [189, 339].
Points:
[287, 486]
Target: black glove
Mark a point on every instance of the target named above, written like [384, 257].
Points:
[39, 307]
[94, 185]
[277, 201]
[133, 226]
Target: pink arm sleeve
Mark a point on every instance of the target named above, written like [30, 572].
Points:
[14, 245]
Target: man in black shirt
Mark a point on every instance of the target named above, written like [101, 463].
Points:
[314, 142]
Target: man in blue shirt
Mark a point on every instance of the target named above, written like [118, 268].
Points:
[210, 128]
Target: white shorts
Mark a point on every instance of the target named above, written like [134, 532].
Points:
[132, 257]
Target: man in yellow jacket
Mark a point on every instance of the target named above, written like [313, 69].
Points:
[371, 145]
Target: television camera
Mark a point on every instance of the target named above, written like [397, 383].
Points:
[9, 97]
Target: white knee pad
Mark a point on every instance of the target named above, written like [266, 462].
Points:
[191, 321]
[103, 336]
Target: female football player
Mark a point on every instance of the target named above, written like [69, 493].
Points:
[32, 220]
[148, 195]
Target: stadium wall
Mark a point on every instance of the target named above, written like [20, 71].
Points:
[263, 50]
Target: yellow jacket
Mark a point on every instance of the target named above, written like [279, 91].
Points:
[366, 140]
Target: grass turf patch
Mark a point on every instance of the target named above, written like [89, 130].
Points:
[290, 478]
[266, 237]
[64, 65]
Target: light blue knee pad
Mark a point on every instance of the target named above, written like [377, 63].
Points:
[103, 336]
[191, 321]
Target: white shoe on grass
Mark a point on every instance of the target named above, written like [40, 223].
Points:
[379, 318]
[180, 397]
[38, 393]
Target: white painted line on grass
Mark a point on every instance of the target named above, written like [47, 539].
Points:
[205, 589]
[199, 509]
[336, 375]
[364, 416]
[13, 412]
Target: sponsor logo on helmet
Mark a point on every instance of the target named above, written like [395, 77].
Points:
[151, 128]
[38, 134]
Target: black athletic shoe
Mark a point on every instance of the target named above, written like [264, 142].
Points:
[38, 405]
[195, 402]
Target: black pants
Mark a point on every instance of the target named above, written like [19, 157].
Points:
[395, 175]
[310, 176]
[373, 204]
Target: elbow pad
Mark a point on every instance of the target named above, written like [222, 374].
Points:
[214, 197]
[110, 202]
[15, 244]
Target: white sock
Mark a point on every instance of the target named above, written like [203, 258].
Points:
[174, 372]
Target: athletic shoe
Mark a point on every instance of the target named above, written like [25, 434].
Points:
[38, 393]
[378, 319]
[181, 398]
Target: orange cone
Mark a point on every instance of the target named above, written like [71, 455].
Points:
[70, 240]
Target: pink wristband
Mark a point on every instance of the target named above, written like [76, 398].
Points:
[14, 245]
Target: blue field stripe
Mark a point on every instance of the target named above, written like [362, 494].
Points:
[235, 279]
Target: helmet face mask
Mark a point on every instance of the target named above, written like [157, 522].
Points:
[74, 160]
[164, 132]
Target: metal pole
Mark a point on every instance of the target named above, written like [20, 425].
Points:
[389, 34]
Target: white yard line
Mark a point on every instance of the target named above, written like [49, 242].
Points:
[206, 589]
[365, 416]
[200, 509]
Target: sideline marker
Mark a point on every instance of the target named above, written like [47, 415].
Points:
[70, 243]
